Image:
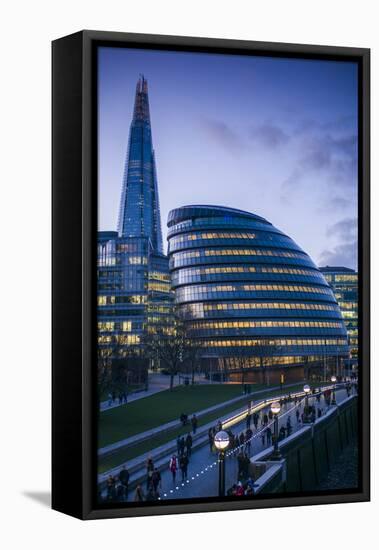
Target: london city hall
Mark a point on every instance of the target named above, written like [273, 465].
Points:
[254, 301]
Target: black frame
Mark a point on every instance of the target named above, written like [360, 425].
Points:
[74, 205]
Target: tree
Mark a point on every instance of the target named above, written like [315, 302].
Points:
[193, 350]
[172, 348]
[113, 367]
[244, 365]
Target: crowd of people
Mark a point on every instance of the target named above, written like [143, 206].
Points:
[258, 422]
[120, 398]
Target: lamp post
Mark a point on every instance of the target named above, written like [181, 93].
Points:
[221, 442]
[334, 380]
[306, 390]
[275, 409]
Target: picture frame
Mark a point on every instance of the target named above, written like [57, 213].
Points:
[74, 229]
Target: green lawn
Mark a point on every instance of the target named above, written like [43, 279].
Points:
[160, 408]
[127, 453]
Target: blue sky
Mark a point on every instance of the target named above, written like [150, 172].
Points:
[273, 136]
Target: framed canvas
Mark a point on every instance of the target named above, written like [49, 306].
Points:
[210, 275]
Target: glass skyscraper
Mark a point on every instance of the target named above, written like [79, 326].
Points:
[251, 297]
[344, 282]
[134, 292]
[139, 214]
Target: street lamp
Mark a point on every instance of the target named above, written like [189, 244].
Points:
[221, 442]
[334, 380]
[306, 390]
[275, 409]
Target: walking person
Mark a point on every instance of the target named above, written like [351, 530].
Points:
[111, 488]
[210, 439]
[139, 495]
[183, 465]
[173, 466]
[248, 421]
[181, 446]
[289, 426]
[124, 476]
[189, 445]
[269, 435]
[156, 480]
[194, 423]
[149, 471]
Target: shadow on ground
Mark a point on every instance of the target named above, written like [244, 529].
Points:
[42, 497]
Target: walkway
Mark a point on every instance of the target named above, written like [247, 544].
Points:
[203, 468]
[137, 438]
[157, 382]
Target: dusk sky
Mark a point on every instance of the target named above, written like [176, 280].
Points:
[277, 137]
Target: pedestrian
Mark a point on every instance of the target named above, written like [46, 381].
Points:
[109, 399]
[183, 465]
[194, 423]
[139, 495]
[240, 490]
[269, 435]
[298, 415]
[156, 480]
[149, 471]
[210, 439]
[263, 437]
[265, 419]
[182, 446]
[111, 488]
[120, 491]
[124, 479]
[255, 420]
[173, 466]
[248, 421]
[188, 444]
[240, 459]
[242, 438]
[289, 426]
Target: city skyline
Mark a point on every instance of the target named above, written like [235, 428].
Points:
[295, 137]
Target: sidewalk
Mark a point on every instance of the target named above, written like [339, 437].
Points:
[161, 454]
[157, 382]
[138, 438]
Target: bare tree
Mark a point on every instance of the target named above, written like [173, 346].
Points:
[193, 350]
[113, 367]
[173, 348]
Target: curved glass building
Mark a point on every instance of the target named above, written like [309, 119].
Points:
[251, 297]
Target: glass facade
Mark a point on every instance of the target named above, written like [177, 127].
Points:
[139, 214]
[251, 296]
[344, 282]
[134, 292]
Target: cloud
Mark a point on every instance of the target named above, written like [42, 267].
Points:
[333, 159]
[223, 135]
[335, 203]
[345, 255]
[345, 230]
[269, 136]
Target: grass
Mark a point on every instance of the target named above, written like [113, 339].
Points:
[153, 411]
[128, 453]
